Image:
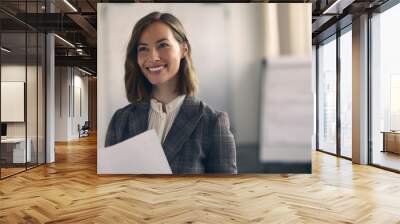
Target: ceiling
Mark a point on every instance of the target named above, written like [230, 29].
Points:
[77, 26]
[76, 22]
[328, 16]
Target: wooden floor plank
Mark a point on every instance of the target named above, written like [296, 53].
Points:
[70, 191]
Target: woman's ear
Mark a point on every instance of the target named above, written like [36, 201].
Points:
[184, 49]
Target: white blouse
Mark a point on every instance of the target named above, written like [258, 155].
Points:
[162, 121]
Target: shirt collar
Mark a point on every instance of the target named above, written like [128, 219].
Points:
[171, 106]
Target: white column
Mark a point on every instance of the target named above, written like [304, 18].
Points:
[50, 100]
[50, 93]
[360, 90]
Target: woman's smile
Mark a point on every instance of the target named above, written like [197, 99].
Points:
[156, 68]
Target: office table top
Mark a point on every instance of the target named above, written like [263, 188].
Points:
[13, 140]
[391, 132]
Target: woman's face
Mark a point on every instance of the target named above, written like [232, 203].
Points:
[159, 54]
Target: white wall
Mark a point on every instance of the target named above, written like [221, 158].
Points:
[17, 73]
[80, 83]
[61, 103]
[69, 79]
[246, 52]
[14, 72]
[33, 126]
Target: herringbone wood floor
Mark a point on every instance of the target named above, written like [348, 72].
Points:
[70, 191]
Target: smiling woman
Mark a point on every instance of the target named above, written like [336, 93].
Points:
[159, 56]
[160, 84]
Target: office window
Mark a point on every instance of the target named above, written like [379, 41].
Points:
[327, 96]
[314, 88]
[346, 93]
[385, 89]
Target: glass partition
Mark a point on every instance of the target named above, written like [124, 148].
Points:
[327, 96]
[13, 95]
[22, 100]
[41, 107]
[31, 100]
[346, 93]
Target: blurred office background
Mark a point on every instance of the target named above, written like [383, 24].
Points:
[258, 69]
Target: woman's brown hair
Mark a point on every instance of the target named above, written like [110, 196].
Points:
[138, 88]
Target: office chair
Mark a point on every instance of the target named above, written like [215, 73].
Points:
[84, 130]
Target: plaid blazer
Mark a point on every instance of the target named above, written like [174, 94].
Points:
[199, 140]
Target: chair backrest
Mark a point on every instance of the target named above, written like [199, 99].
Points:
[86, 125]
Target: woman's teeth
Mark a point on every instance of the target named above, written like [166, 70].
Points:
[156, 69]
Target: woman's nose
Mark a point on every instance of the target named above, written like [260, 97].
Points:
[154, 54]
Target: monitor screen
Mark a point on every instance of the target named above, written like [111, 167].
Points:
[3, 129]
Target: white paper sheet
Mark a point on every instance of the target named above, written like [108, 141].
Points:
[142, 154]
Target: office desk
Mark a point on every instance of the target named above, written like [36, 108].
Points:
[391, 141]
[13, 150]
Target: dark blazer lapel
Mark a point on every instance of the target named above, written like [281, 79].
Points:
[139, 120]
[184, 124]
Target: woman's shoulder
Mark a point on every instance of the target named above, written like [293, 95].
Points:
[124, 111]
[129, 111]
[209, 113]
[123, 124]
[130, 108]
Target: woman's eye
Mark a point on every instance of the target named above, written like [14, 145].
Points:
[142, 49]
[162, 45]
